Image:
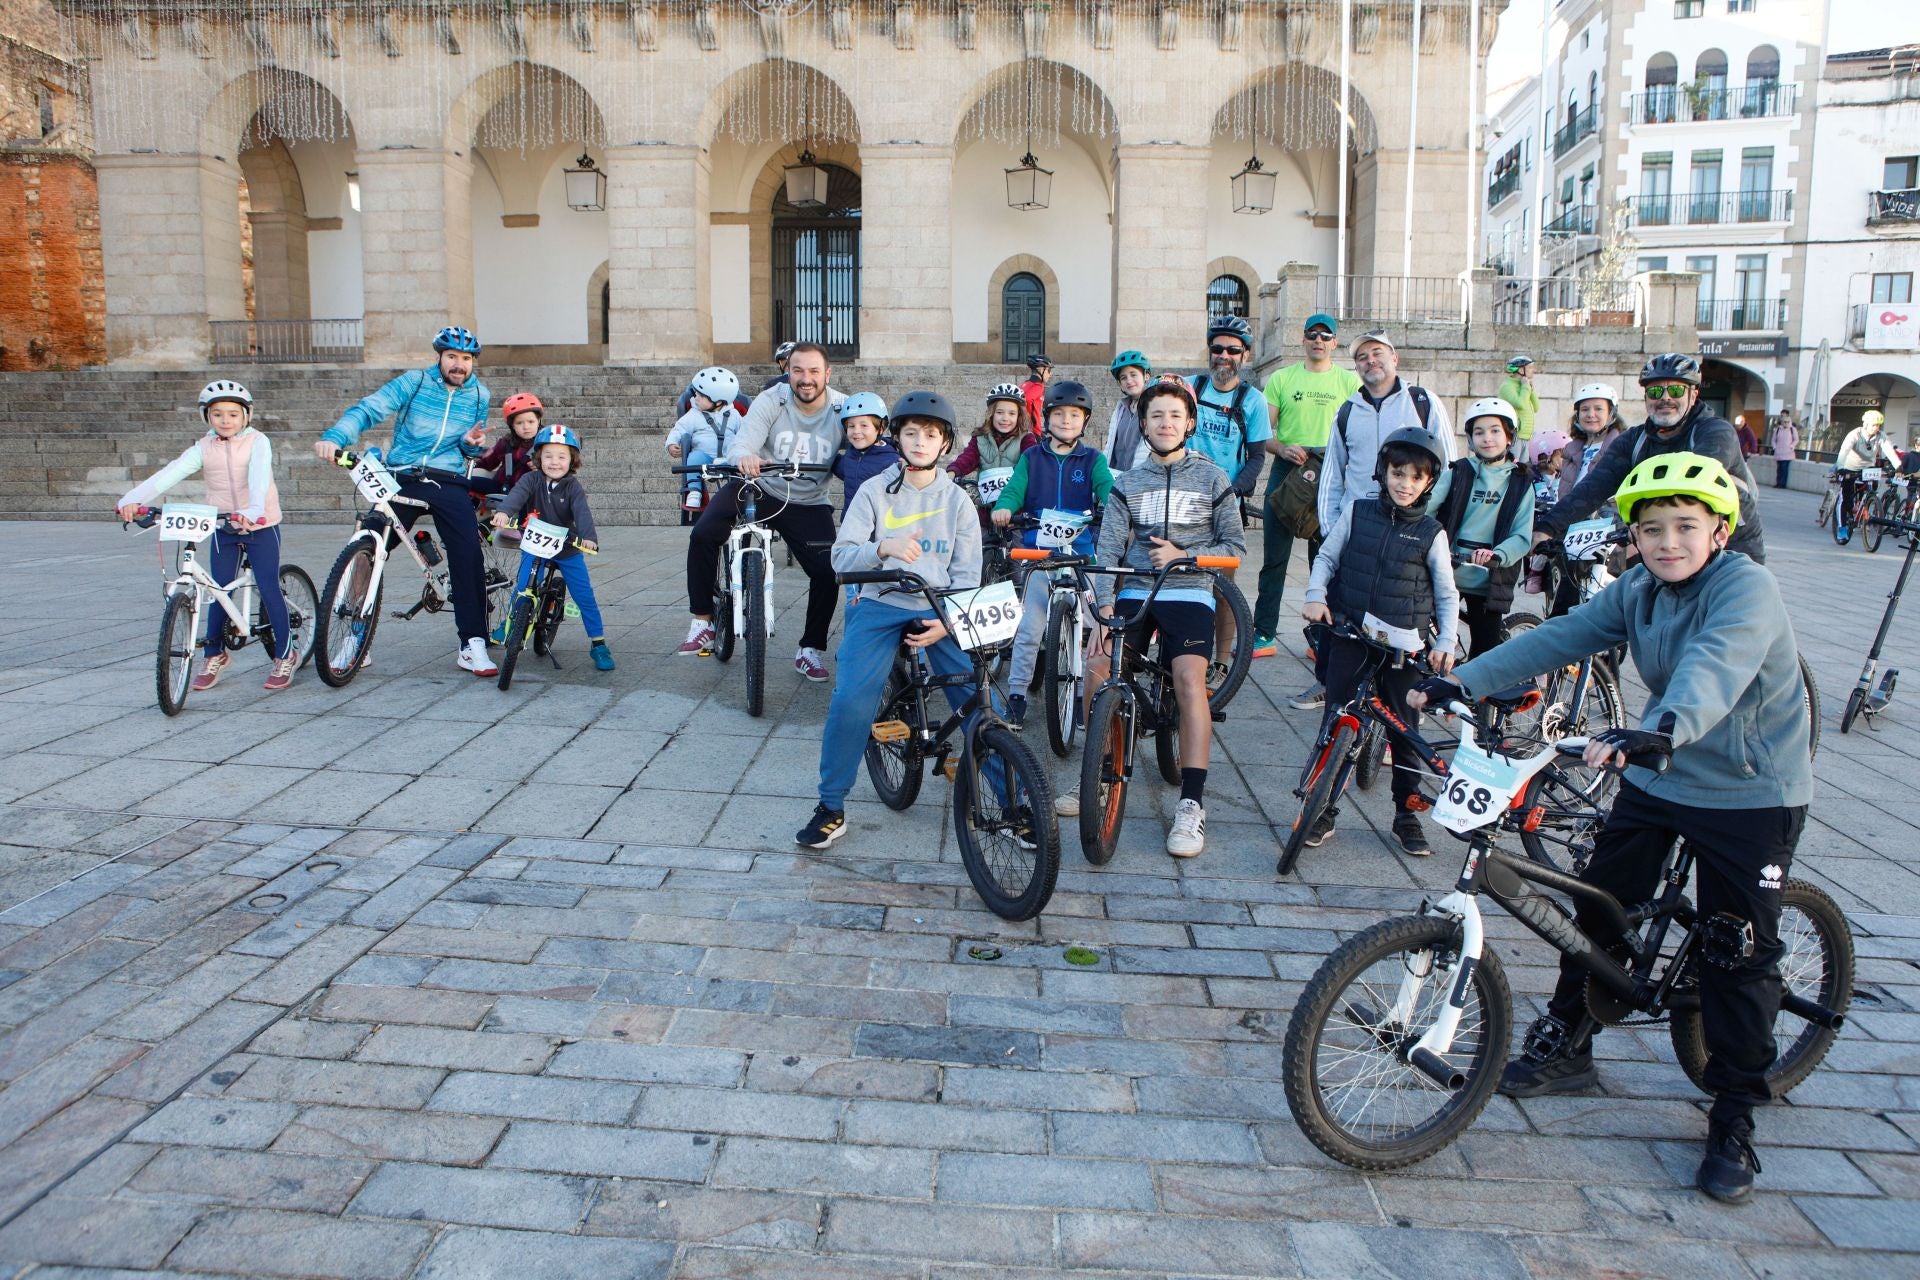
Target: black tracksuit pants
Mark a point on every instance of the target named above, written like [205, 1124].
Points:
[808, 529]
[1741, 859]
[1341, 661]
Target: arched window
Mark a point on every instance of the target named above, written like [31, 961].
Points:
[1023, 318]
[1228, 296]
[1710, 81]
[1593, 92]
[1658, 103]
[1763, 82]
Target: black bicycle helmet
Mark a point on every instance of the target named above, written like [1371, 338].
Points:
[1230, 326]
[924, 404]
[1419, 438]
[1674, 366]
[1067, 394]
[1038, 361]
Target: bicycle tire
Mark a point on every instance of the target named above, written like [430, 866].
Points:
[1016, 882]
[1827, 503]
[1373, 754]
[553, 609]
[1810, 696]
[1060, 686]
[173, 657]
[1166, 743]
[1856, 700]
[520, 619]
[1824, 940]
[754, 599]
[1237, 666]
[1105, 762]
[1872, 534]
[894, 768]
[723, 635]
[1320, 794]
[303, 611]
[343, 633]
[1570, 821]
[1394, 946]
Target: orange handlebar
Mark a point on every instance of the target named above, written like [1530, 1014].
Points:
[1028, 553]
[1217, 562]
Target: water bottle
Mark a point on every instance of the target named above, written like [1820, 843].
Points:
[429, 549]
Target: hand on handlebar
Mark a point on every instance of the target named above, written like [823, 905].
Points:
[1316, 613]
[500, 520]
[1614, 748]
[1483, 556]
[1436, 689]
[325, 450]
[130, 513]
[905, 550]
[1441, 660]
[930, 634]
[1001, 519]
[750, 465]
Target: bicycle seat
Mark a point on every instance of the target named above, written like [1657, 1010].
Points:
[1518, 698]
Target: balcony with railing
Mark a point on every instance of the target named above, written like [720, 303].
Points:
[287, 341]
[1742, 315]
[1687, 104]
[1579, 127]
[1568, 301]
[1577, 220]
[1890, 208]
[1709, 208]
[1371, 300]
[1503, 186]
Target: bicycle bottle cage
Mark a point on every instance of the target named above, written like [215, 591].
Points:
[1726, 940]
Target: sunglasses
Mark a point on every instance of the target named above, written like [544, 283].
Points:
[1667, 391]
[1320, 335]
[1218, 350]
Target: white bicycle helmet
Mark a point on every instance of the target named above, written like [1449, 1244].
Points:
[717, 384]
[1597, 391]
[225, 389]
[1492, 406]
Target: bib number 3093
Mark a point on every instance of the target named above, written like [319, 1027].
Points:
[984, 616]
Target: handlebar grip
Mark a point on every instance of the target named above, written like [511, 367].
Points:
[697, 468]
[346, 458]
[1028, 553]
[1217, 562]
[859, 577]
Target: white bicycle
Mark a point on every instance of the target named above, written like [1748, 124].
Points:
[743, 590]
[352, 614]
[191, 591]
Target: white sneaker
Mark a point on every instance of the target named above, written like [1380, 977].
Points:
[473, 657]
[1067, 803]
[1188, 835]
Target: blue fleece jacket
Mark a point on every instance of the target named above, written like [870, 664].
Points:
[857, 466]
[433, 420]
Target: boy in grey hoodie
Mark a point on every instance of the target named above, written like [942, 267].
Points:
[911, 516]
[1174, 505]
[1710, 638]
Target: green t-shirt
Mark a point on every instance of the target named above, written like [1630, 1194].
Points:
[1304, 403]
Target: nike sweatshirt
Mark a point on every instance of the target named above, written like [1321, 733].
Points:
[939, 518]
[1190, 504]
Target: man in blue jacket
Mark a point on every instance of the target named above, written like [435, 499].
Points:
[440, 424]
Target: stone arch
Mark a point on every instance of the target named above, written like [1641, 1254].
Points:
[523, 102]
[827, 113]
[1244, 272]
[988, 352]
[274, 235]
[1898, 398]
[1079, 105]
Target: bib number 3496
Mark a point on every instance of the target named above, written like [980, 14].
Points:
[987, 615]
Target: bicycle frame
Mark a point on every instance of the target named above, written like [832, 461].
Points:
[1363, 709]
[749, 532]
[1872, 702]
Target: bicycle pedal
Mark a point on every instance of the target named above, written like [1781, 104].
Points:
[1418, 803]
[891, 731]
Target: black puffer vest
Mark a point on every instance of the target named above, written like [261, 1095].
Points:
[1383, 567]
[1500, 578]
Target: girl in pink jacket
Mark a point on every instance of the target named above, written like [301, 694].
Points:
[237, 463]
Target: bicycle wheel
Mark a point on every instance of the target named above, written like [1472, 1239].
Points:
[173, 660]
[1320, 791]
[1875, 534]
[1166, 742]
[753, 596]
[1105, 762]
[894, 767]
[553, 608]
[1817, 965]
[1827, 503]
[1003, 820]
[1810, 695]
[1856, 699]
[303, 611]
[519, 630]
[1602, 707]
[1060, 687]
[343, 633]
[1349, 1085]
[1373, 754]
[1220, 692]
[1570, 820]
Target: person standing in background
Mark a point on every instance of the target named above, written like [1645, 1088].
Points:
[1786, 438]
[1518, 391]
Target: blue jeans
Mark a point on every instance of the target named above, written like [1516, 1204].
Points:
[263, 552]
[691, 482]
[573, 569]
[872, 634]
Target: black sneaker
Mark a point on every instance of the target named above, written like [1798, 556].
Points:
[1017, 711]
[1548, 1064]
[1407, 830]
[1726, 1173]
[1322, 828]
[826, 826]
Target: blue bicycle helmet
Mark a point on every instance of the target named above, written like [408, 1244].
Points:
[557, 434]
[1131, 360]
[863, 404]
[454, 338]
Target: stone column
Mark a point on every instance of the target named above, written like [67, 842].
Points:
[658, 255]
[170, 253]
[416, 238]
[906, 254]
[1160, 251]
[280, 281]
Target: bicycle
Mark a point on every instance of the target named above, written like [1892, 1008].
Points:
[1137, 700]
[743, 587]
[1856, 514]
[1829, 500]
[1062, 663]
[539, 607]
[1864, 699]
[190, 590]
[357, 581]
[1885, 506]
[1401, 1035]
[1003, 815]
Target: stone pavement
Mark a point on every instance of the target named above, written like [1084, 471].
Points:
[422, 979]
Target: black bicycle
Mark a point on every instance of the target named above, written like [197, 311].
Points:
[1401, 1035]
[1136, 701]
[539, 606]
[1865, 699]
[1003, 800]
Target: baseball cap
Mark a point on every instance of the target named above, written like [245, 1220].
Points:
[1372, 335]
[1320, 318]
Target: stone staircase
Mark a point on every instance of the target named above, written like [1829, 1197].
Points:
[71, 443]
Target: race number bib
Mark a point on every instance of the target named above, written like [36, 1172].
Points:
[1405, 639]
[1479, 788]
[374, 481]
[1588, 539]
[542, 540]
[1059, 528]
[1874, 475]
[187, 522]
[992, 483]
[984, 616]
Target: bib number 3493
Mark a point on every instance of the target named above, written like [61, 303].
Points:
[983, 616]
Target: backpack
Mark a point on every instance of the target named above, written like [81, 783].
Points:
[1234, 410]
[1422, 405]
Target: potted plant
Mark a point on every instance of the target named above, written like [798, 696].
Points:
[1610, 297]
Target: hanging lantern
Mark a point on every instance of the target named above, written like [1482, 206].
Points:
[586, 185]
[1029, 186]
[806, 183]
[1253, 188]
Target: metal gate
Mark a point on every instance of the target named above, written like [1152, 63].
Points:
[816, 285]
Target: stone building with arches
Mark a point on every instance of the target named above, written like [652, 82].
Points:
[398, 166]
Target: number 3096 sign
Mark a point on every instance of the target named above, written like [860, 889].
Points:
[983, 616]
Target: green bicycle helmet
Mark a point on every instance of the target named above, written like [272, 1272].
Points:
[1681, 475]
